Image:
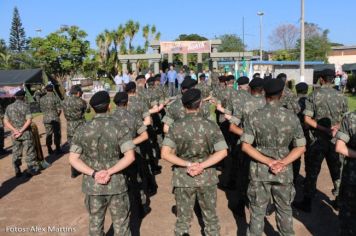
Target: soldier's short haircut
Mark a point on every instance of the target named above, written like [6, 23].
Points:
[193, 106]
[130, 87]
[121, 99]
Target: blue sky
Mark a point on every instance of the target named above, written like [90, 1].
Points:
[208, 18]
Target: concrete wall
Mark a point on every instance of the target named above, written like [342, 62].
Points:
[340, 60]
[294, 73]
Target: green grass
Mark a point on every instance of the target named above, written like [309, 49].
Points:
[352, 102]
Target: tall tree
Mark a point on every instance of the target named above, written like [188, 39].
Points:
[284, 37]
[61, 53]
[3, 47]
[149, 33]
[131, 29]
[17, 34]
[231, 43]
[317, 44]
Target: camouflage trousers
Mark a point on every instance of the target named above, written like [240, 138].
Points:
[53, 129]
[24, 146]
[119, 207]
[185, 200]
[347, 214]
[259, 194]
[313, 159]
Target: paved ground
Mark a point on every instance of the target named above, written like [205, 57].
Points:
[53, 201]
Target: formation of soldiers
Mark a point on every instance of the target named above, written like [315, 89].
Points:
[257, 138]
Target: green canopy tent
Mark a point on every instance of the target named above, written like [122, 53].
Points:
[319, 68]
[13, 80]
[349, 68]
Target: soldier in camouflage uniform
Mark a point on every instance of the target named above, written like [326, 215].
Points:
[203, 87]
[324, 110]
[2, 131]
[302, 96]
[236, 104]
[215, 78]
[256, 101]
[198, 144]
[74, 108]
[51, 109]
[266, 137]
[101, 150]
[139, 134]
[139, 109]
[18, 119]
[175, 110]
[346, 146]
[289, 99]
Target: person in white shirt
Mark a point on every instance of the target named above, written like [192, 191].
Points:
[119, 83]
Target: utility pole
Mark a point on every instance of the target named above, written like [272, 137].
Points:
[260, 14]
[302, 44]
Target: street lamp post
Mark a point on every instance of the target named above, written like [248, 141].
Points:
[260, 13]
[302, 44]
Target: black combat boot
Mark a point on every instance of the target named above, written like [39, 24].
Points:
[32, 171]
[304, 205]
[50, 150]
[17, 168]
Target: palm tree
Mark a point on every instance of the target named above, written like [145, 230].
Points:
[100, 41]
[120, 37]
[146, 34]
[131, 29]
[5, 61]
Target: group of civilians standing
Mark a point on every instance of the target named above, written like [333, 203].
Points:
[170, 77]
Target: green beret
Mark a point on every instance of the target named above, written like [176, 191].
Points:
[191, 96]
[273, 86]
[99, 98]
[243, 80]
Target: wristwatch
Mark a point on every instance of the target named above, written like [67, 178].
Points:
[93, 175]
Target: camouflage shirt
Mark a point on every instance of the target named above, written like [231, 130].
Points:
[176, 111]
[17, 113]
[194, 139]
[144, 96]
[288, 100]
[326, 105]
[101, 143]
[50, 107]
[272, 129]
[204, 88]
[138, 107]
[125, 118]
[237, 104]
[255, 102]
[347, 133]
[74, 108]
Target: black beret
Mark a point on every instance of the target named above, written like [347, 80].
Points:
[130, 86]
[222, 79]
[282, 76]
[243, 80]
[99, 98]
[191, 96]
[157, 77]
[150, 80]
[230, 77]
[75, 89]
[20, 93]
[300, 87]
[256, 83]
[121, 97]
[256, 75]
[188, 83]
[140, 77]
[273, 86]
[49, 87]
[202, 76]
